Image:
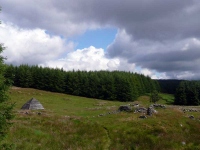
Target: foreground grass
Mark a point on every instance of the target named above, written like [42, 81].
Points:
[70, 122]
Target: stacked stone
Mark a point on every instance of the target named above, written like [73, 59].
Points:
[191, 110]
[141, 110]
[158, 106]
[150, 111]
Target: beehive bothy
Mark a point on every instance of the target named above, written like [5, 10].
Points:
[32, 104]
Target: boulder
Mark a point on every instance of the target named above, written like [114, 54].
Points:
[141, 110]
[125, 108]
[191, 117]
[158, 106]
[143, 117]
[150, 111]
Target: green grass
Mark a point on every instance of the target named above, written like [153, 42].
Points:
[71, 122]
[167, 98]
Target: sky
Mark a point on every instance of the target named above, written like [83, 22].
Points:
[157, 38]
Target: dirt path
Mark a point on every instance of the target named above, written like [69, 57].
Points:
[107, 145]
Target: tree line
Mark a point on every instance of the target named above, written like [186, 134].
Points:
[188, 93]
[169, 85]
[115, 85]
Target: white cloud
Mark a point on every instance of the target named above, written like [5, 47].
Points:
[146, 72]
[31, 46]
[89, 58]
[153, 74]
[92, 58]
[35, 46]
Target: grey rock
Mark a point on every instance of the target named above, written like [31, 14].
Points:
[143, 117]
[125, 108]
[141, 110]
[191, 117]
[150, 111]
[158, 106]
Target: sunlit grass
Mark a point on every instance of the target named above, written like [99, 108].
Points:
[71, 122]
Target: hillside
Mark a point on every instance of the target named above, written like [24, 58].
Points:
[107, 85]
[72, 122]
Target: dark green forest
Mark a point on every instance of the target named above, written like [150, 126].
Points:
[188, 93]
[169, 85]
[185, 92]
[108, 85]
[115, 85]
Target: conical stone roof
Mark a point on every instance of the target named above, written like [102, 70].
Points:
[32, 104]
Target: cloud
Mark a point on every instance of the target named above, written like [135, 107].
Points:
[90, 58]
[152, 19]
[160, 36]
[176, 59]
[35, 46]
[55, 17]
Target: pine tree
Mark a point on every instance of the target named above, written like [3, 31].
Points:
[192, 93]
[25, 76]
[154, 97]
[180, 95]
[10, 73]
[5, 107]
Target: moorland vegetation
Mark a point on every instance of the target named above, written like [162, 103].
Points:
[73, 122]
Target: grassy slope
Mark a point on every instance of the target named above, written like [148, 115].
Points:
[71, 122]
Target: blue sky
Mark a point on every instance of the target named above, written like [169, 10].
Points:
[99, 38]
